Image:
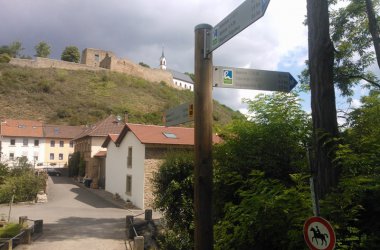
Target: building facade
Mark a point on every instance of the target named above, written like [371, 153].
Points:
[89, 144]
[33, 140]
[59, 144]
[136, 154]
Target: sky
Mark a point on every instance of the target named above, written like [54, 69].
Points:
[138, 31]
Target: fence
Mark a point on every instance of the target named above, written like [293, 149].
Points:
[131, 232]
[25, 236]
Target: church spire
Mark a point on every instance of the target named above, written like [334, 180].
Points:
[163, 60]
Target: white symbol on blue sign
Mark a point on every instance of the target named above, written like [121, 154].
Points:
[227, 76]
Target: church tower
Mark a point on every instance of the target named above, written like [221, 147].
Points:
[163, 61]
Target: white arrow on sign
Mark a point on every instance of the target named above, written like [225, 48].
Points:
[239, 19]
[228, 77]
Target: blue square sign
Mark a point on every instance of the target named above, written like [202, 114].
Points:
[227, 76]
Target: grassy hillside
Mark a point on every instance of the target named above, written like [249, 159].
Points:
[60, 96]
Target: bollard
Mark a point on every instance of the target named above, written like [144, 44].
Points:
[129, 226]
[138, 243]
[10, 244]
[27, 238]
[22, 220]
[38, 226]
[148, 214]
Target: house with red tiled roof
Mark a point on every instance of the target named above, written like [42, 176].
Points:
[137, 153]
[30, 139]
[59, 144]
[22, 138]
[89, 144]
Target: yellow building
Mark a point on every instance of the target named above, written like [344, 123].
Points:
[59, 144]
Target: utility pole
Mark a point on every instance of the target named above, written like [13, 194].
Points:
[203, 233]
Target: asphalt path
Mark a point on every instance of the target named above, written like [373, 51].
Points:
[74, 218]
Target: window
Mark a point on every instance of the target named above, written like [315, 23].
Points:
[11, 156]
[61, 156]
[25, 142]
[52, 143]
[128, 188]
[13, 142]
[97, 58]
[129, 157]
[61, 143]
[36, 143]
[170, 135]
[71, 144]
[51, 156]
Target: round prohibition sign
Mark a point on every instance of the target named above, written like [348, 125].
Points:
[319, 234]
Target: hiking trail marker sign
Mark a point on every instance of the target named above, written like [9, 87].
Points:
[238, 78]
[179, 114]
[239, 19]
[319, 234]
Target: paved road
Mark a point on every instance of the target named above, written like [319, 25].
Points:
[74, 218]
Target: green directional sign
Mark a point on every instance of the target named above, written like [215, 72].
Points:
[180, 114]
[228, 77]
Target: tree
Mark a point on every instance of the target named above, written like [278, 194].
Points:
[192, 76]
[268, 215]
[373, 27]
[354, 33]
[273, 142]
[321, 64]
[173, 190]
[42, 49]
[144, 64]
[13, 50]
[70, 54]
[354, 205]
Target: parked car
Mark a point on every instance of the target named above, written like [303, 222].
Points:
[53, 172]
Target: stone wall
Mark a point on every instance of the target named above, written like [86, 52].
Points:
[130, 68]
[150, 167]
[40, 62]
[94, 57]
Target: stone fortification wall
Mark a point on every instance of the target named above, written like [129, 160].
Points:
[40, 62]
[94, 57]
[130, 68]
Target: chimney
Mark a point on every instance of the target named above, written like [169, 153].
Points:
[125, 116]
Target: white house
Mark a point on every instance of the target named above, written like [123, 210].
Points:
[22, 138]
[36, 141]
[136, 154]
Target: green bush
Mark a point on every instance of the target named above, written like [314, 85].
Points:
[22, 182]
[10, 230]
[173, 189]
[4, 58]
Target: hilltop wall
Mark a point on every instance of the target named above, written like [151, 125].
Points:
[128, 67]
[40, 62]
[94, 59]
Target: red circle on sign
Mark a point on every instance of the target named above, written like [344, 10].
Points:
[326, 224]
